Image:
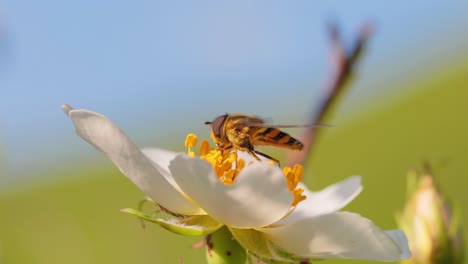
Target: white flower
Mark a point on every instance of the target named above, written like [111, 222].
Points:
[262, 213]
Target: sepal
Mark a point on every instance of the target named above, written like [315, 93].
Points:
[197, 225]
[258, 244]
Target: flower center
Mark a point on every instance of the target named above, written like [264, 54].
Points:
[227, 166]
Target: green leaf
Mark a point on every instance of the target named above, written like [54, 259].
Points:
[197, 225]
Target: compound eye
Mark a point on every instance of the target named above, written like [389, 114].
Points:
[217, 124]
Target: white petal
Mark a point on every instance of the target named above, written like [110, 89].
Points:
[400, 238]
[258, 198]
[339, 235]
[161, 159]
[328, 200]
[100, 132]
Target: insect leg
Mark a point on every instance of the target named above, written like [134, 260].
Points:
[251, 153]
[225, 148]
[266, 156]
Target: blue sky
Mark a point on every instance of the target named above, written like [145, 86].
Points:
[161, 68]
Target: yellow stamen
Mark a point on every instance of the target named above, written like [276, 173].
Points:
[190, 142]
[240, 164]
[293, 177]
[227, 166]
[204, 148]
[298, 197]
[298, 170]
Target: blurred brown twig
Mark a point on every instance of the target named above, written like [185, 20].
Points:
[342, 67]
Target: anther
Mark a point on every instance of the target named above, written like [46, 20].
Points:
[204, 148]
[191, 141]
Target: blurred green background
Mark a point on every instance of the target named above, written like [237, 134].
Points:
[160, 70]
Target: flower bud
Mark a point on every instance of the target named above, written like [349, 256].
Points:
[433, 228]
[222, 248]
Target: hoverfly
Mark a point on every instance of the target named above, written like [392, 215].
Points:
[243, 132]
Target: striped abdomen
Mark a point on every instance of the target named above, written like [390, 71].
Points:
[271, 136]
